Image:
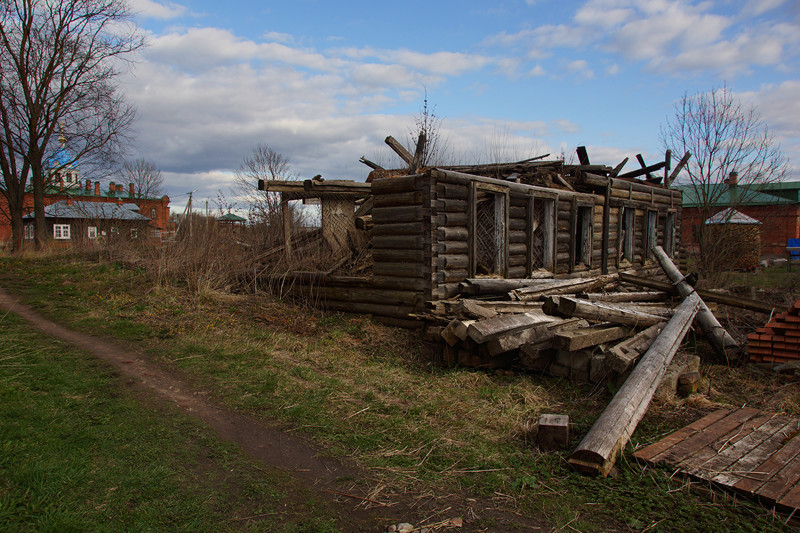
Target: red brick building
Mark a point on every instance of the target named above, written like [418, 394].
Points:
[71, 188]
[775, 205]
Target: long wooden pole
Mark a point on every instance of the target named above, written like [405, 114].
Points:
[597, 452]
[719, 338]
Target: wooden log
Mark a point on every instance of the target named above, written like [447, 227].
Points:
[400, 150]
[624, 296]
[452, 247]
[578, 339]
[623, 355]
[720, 339]
[412, 198]
[562, 286]
[400, 270]
[451, 205]
[452, 234]
[364, 222]
[534, 335]
[394, 215]
[395, 185]
[453, 262]
[393, 282]
[708, 296]
[453, 219]
[678, 168]
[484, 286]
[398, 242]
[473, 309]
[491, 328]
[403, 228]
[392, 255]
[597, 452]
[599, 312]
[451, 190]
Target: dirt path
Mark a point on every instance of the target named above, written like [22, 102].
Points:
[268, 445]
[275, 448]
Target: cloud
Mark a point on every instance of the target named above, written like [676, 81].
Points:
[581, 68]
[157, 10]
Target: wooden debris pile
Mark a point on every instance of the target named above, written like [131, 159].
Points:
[583, 329]
[572, 328]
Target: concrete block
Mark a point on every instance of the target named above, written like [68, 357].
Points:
[553, 432]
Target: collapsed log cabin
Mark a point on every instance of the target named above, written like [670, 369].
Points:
[428, 230]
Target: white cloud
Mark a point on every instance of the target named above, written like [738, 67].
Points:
[157, 10]
[581, 68]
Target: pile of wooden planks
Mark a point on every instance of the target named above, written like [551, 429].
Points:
[568, 327]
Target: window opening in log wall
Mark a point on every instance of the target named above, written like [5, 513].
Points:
[669, 234]
[490, 241]
[582, 238]
[650, 234]
[628, 228]
[543, 223]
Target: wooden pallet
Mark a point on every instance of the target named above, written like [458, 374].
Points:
[744, 450]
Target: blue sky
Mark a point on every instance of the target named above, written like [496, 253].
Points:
[325, 82]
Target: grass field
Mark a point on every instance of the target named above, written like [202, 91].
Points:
[358, 389]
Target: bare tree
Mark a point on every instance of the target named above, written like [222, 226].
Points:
[428, 124]
[57, 76]
[733, 154]
[146, 178]
[265, 163]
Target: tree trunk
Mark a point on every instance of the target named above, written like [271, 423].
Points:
[40, 230]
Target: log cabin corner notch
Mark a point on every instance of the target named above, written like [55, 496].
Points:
[430, 230]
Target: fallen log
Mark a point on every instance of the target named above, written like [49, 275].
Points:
[482, 286]
[720, 339]
[623, 355]
[597, 452]
[599, 312]
[624, 296]
[707, 296]
[561, 286]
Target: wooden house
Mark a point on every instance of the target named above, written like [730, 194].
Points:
[430, 229]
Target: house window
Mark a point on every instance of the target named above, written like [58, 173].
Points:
[134, 234]
[650, 234]
[489, 246]
[28, 234]
[153, 213]
[669, 234]
[628, 233]
[582, 236]
[61, 231]
[543, 222]
[91, 232]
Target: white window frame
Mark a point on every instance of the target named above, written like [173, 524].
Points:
[29, 232]
[61, 232]
[91, 232]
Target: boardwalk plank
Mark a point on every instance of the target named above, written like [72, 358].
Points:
[648, 453]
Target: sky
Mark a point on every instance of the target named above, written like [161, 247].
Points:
[324, 82]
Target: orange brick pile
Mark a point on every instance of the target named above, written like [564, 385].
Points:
[779, 340]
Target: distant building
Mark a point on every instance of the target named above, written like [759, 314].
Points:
[66, 185]
[775, 205]
[70, 222]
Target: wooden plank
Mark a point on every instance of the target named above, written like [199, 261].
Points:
[400, 150]
[788, 454]
[711, 434]
[751, 435]
[486, 330]
[656, 449]
[579, 339]
[622, 356]
[781, 482]
[748, 462]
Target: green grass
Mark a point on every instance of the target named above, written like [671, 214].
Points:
[373, 393]
[78, 452]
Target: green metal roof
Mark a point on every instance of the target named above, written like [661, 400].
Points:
[722, 195]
